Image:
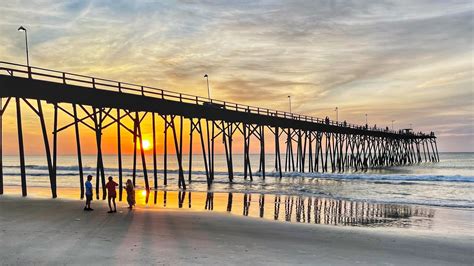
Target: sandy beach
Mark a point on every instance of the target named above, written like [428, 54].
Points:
[51, 232]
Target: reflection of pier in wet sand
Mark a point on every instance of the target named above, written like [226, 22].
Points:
[300, 209]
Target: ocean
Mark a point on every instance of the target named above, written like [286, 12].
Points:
[449, 183]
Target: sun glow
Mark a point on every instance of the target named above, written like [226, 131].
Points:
[146, 144]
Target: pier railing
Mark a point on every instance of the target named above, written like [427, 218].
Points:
[50, 75]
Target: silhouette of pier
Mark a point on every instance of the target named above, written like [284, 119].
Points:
[311, 144]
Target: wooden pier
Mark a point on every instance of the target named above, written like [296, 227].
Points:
[322, 145]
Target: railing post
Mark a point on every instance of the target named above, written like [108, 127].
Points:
[29, 72]
[64, 78]
[143, 91]
[93, 83]
[120, 86]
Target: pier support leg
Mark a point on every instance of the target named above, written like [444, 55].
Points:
[227, 141]
[52, 176]
[21, 148]
[55, 148]
[212, 151]
[277, 152]
[178, 148]
[135, 132]
[78, 149]
[155, 166]
[190, 167]
[142, 154]
[262, 151]
[100, 162]
[119, 154]
[165, 152]
[203, 147]
[436, 149]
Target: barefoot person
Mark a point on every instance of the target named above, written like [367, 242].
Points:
[88, 194]
[111, 193]
[130, 193]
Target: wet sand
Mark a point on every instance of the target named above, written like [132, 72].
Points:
[45, 231]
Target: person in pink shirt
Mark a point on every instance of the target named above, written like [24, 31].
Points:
[111, 193]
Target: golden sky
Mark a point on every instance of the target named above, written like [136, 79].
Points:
[408, 61]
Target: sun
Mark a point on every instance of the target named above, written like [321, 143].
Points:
[146, 144]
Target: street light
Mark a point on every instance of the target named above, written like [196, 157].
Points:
[208, 89]
[366, 120]
[337, 114]
[21, 28]
[392, 123]
[289, 101]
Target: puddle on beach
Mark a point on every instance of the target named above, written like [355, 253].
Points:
[295, 209]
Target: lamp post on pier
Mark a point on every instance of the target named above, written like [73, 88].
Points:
[208, 89]
[337, 114]
[289, 101]
[21, 28]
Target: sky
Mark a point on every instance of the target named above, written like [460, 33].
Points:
[408, 61]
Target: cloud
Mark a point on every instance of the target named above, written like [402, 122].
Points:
[404, 60]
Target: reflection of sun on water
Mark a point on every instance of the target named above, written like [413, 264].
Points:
[144, 193]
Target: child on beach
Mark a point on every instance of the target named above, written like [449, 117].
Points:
[111, 193]
[88, 194]
[130, 193]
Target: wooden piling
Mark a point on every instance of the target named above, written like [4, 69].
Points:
[78, 150]
[142, 154]
[165, 152]
[155, 165]
[119, 154]
[21, 148]
[190, 161]
[135, 132]
[52, 177]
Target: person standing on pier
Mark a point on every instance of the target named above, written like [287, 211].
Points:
[88, 194]
[111, 194]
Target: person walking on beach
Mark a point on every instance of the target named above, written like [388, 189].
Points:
[130, 193]
[88, 194]
[111, 193]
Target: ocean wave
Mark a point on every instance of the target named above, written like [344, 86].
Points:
[401, 179]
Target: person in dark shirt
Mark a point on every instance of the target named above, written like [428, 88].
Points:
[111, 194]
[88, 194]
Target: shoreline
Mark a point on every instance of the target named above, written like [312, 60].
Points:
[47, 231]
[16, 189]
[402, 218]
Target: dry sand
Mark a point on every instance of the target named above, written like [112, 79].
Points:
[50, 232]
